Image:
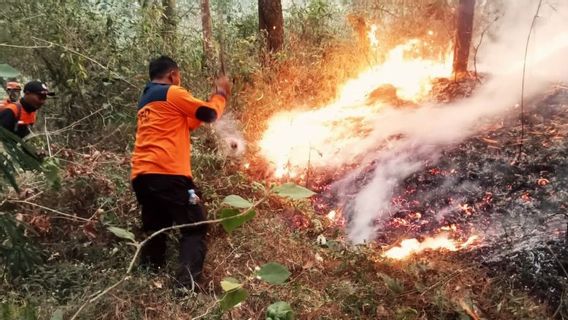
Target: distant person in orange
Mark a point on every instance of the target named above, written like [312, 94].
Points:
[161, 170]
[20, 115]
[13, 89]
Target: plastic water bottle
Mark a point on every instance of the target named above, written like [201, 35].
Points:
[193, 198]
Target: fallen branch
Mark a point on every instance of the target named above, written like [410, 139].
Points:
[97, 296]
[69, 127]
[446, 280]
[47, 138]
[11, 21]
[70, 216]
[24, 47]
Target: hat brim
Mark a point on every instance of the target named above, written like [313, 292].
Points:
[47, 93]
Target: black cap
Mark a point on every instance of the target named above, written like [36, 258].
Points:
[38, 87]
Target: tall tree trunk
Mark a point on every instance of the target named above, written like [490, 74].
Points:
[208, 53]
[169, 22]
[271, 23]
[466, 10]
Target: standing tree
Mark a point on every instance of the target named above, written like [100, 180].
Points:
[169, 19]
[271, 23]
[466, 10]
[207, 35]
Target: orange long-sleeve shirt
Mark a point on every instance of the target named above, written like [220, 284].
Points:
[166, 116]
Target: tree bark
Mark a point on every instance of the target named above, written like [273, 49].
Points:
[465, 13]
[169, 22]
[208, 53]
[271, 23]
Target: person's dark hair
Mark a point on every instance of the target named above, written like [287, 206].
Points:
[160, 66]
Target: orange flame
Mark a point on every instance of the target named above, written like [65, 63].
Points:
[409, 247]
[412, 77]
[299, 139]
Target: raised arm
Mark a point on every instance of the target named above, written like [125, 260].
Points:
[206, 111]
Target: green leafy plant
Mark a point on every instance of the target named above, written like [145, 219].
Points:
[50, 168]
[280, 311]
[122, 233]
[17, 254]
[237, 202]
[273, 273]
[16, 154]
[292, 191]
[393, 284]
[233, 219]
[233, 297]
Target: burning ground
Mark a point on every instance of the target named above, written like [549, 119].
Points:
[502, 210]
[410, 176]
[515, 207]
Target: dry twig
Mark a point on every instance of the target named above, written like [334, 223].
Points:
[63, 214]
[523, 81]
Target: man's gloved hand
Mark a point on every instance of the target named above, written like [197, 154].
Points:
[223, 86]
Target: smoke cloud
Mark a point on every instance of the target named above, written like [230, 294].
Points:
[232, 142]
[421, 134]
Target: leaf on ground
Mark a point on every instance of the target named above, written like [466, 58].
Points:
[279, 311]
[57, 315]
[273, 273]
[122, 233]
[232, 298]
[406, 313]
[51, 171]
[293, 191]
[231, 224]
[237, 202]
[229, 284]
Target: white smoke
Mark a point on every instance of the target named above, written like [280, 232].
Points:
[232, 141]
[423, 133]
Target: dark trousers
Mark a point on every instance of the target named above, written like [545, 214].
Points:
[165, 201]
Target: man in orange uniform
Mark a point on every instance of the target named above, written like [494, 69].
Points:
[18, 117]
[161, 169]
